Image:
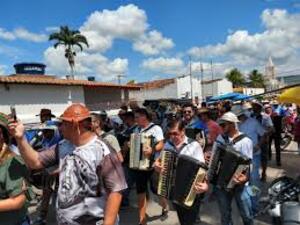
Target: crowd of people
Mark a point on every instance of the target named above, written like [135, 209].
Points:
[84, 157]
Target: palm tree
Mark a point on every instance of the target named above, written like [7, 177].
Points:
[69, 39]
[236, 77]
[256, 79]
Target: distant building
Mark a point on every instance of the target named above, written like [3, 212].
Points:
[177, 88]
[29, 93]
[249, 90]
[216, 87]
[270, 76]
[289, 79]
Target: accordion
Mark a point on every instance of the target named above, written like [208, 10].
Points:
[137, 159]
[166, 179]
[196, 134]
[225, 163]
[189, 171]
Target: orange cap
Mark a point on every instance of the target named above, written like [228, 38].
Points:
[75, 113]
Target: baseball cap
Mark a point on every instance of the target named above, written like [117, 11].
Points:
[228, 117]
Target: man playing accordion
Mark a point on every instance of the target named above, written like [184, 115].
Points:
[182, 145]
[242, 144]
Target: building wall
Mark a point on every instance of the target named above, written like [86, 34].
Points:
[253, 91]
[289, 80]
[217, 88]
[104, 98]
[168, 91]
[224, 87]
[29, 99]
[184, 87]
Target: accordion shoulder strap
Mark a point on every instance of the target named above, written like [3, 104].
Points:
[235, 140]
[189, 141]
[148, 128]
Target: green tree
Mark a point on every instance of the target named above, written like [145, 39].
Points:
[256, 79]
[69, 39]
[236, 77]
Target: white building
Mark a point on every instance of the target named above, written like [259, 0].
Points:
[270, 76]
[177, 88]
[30, 93]
[216, 87]
[249, 90]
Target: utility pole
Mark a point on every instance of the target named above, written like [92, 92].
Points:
[191, 80]
[119, 76]
[202, 74]
[212, 77]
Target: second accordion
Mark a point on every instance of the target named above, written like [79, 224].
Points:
[225, 163]
[137, 159]
[189, 171]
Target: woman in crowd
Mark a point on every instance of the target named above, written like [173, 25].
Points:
[15, 193]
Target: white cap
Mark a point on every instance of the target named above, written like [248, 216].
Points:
[229, 117]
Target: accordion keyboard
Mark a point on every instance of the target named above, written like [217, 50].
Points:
[166, 177]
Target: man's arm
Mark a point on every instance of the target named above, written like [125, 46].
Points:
[112, 175]
[30, 156]
[12, 203]
[112, 208]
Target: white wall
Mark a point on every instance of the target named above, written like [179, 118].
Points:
[168, 91]
[217, 88]
[224, 87]
[253, 91]
[29, 99]
[184, 86]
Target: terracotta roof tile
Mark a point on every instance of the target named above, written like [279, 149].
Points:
[210, 81]
[52, 80]
[157, 83]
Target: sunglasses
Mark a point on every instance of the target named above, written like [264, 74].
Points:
[223, 124]
[187, 111]
[174, 133]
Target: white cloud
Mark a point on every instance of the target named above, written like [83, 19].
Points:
[52, 29]
[6, 35]
[23, 34]
[102, 27]
[164, 65]
[281, 40]
[2, 69]
[127, 23]
[85, 64]
[152, 43]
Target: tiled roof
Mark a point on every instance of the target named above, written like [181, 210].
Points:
[52, 80]
[157, 83]
[210, 81]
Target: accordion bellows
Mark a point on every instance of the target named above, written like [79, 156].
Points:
[224, 164]
[188, 172]
[137, 160]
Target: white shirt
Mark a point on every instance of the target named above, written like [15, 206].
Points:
[192, 149]
[154, 131]
[253, 129]
[244, 146]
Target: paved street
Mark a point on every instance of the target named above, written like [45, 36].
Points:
[209, 210]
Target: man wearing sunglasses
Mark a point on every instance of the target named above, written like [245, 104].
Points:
[190, 119]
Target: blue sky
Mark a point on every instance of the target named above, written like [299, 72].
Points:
[153, 39]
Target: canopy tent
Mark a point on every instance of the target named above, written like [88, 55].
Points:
[230, 96]
[241, 97]
[291, 95]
